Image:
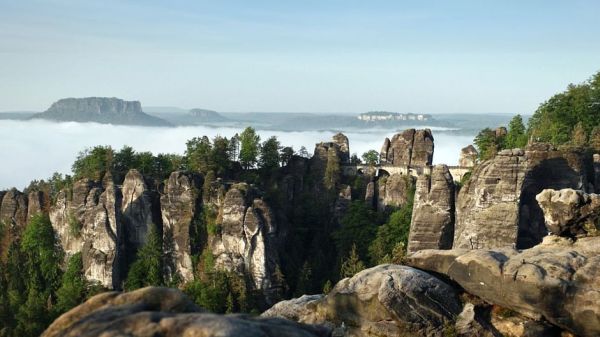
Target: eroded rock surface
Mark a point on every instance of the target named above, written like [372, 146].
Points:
[181, 206]
[248, 240]
[569, 212]
[387, 300]
[558, 279]
[468, 156]
[137, 209]
[162, 312]
[432, 224]
[409, 148]
[497, 206]
[393, 191]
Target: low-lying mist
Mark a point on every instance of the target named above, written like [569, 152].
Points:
[35, 149]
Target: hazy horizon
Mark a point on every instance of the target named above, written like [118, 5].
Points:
[311, 56]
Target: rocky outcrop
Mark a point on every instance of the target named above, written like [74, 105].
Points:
[569, 212]
[409, 148]
[558, 279]
[137, 209]
[342, 141]
[248, 239]
[100, 110]
[432, 224]
[468, 156]
[37, 202]
[393, 191]
[387, 300]
[338, 147]
[497, 206]
[13, 218]
[162, 312]
[86, 220]
[181, 205]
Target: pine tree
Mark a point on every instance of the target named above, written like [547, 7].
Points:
[147, 270]
[516, 137]
[352, 264]
[73, 287]
[249, 147]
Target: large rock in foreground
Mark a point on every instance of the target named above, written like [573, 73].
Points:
[387, 300]
[569, 212]
[162, 312]
[558, 280]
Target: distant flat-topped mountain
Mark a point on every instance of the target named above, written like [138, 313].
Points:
[207, 115]
[103, 110]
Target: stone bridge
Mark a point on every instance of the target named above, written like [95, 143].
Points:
[382, 170]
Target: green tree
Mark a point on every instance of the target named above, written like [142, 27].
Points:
[357, 228]
[147, 269]
[303, 152]
[269, 154]
[286, 155]
[197, 154]
[93, 163]
[220, 156]
[249, 148]
[332, 170]
[234, 147]
[124, 160]
[579, 136]
[486, 143]
[393, 232]
[73, 287]
[352, 265]
[516, 136]
[371, 157]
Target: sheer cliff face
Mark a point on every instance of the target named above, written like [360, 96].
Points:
[137, 209]
[181, 206]
[497, 207]
[86, 220]
[409, 148]
[249, 239]
[13, 217]
[432, 224]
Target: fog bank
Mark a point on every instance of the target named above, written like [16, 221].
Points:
[35, 149]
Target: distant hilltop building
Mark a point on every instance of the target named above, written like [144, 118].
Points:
[373, 116]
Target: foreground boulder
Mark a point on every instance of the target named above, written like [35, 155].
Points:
[387, 300]
[163, 312]
[558, 280]
[569, 212]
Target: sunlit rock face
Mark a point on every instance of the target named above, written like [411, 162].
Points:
[86, 220]
[13, 218]
[181, 207]
[432, 225]
[468, 156]
[137, 209]
[497, 206]
[558, 280]
[248, 240]
[409, 148]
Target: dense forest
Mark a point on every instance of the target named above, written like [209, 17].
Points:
[570, 118]
[37, 284]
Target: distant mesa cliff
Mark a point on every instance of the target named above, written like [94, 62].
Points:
[207, 115]
[100, 110]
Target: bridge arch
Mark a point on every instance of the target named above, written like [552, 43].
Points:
[382, 173]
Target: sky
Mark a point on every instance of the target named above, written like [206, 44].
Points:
[302, 56]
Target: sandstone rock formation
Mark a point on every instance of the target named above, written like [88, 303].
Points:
[468, 156]
[100, 110]
[497, 206]
[569, 212]
[87, 220]
[432, 224]
[137, 209]
[558, 279]
[248, 240]
[393, 190]
[342, 141]
[13, 218]
[181, 206]
[338, 147]
[162, 312]
[387, 300]
[409, 148]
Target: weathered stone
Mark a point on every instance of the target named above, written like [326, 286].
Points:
[181, 205]
[344, 145]
[249, 238]
[393, 191]
[162, 312]
[137, 212]
[468, 156]
[13, 218]
[86, 220]
[387, 300]
[501, 194]
[558, 279]
[370, 194]
[409, 148]
[342, 203]
[36, 203]
[569, 212]
[432, 224]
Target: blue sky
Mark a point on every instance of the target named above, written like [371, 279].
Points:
[315, 56]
